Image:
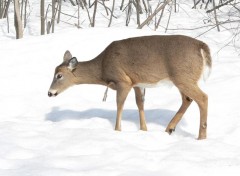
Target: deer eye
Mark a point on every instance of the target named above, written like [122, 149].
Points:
[59, 76]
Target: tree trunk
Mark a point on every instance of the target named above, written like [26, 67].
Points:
[138, 12]
[25, 14]
[129, 12]
[59, 10]
[110, 21]
[17, 20]
[72, 2]
[53, 15]
[21, 9]
[4, 9]
[1, 8]
[94, 13]
[78, 24]
[42, 17]
[122, 5]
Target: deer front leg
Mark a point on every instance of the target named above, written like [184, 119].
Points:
[139, 93]
[122, 92]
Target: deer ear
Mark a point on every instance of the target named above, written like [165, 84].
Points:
[67, 56]
[72, 63]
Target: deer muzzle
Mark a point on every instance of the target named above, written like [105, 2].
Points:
[52, 93]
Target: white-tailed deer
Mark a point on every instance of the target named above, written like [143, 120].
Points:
[139, 63]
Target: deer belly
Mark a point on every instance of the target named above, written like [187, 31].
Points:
[165, 82]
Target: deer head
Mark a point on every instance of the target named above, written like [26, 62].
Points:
[63, 76]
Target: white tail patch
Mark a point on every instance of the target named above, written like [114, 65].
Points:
[206, 69]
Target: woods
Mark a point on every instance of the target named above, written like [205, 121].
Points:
[218, 14]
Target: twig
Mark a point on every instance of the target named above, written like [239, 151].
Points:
[215, 16]
[190, 29]
[205, 31]
[154, 13]
[170, 14]
[160, 18]
[217, 7]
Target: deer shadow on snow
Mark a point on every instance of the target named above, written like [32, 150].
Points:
[159, 117]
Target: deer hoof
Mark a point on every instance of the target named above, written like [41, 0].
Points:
[202, 137]
[170, 130]
[143, 128]
[118, 129]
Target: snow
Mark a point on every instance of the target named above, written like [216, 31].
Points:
[72, 134]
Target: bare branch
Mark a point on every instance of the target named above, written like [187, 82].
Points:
[154, 13]
[217, 7]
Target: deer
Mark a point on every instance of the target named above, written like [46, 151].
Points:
[140, 63]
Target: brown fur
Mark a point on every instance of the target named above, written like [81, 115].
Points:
[127, 63]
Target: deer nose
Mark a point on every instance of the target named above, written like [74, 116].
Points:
[50, 94]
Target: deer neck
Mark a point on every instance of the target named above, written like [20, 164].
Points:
[89, 72]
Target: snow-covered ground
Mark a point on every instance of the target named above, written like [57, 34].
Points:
[72, 134]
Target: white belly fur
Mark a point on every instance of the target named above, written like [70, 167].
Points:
[165, 82]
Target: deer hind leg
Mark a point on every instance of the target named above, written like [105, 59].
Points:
[139, 93]
[122, 92]
[201, 99]
[186, 101]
